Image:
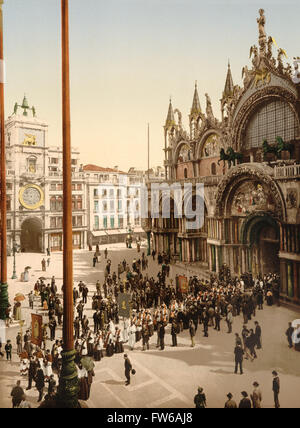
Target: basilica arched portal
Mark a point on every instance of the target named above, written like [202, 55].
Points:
[32, 236]
[261, 236]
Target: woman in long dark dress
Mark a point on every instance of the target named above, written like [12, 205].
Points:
[83, 383]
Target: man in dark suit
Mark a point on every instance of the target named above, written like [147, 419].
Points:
[128, 368]
[238, 352]
[40, 382]
[174, 333]
[162, 336]
[31, 373]
[276, 389]
[258, 335]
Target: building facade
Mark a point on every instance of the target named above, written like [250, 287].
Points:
[35, 186]
[113, 200]
[249, 163]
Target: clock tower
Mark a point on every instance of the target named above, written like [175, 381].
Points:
[34, 185]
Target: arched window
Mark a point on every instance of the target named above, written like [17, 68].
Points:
[272, 119]
[59, 204]
[79, 202]
[53, 204]
[31, 165]
[185, 173]
[213, 169]
[8, 203]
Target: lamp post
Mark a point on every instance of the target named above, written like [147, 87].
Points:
[15, 249]
[3, 287]
[67, 395]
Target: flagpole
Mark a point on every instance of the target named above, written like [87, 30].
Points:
[148, 151]
[3, 291]
[68, 383]
[149, 231]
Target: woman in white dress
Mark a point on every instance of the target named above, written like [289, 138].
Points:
[49, 371]
[125, 335]
[24, 366]
[112, 328]
[132, 336]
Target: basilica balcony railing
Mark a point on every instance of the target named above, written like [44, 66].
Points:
[207, 180]
[286, 172]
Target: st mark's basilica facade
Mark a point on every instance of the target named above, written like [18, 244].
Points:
[252, 195]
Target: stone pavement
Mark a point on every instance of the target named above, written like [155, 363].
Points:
[168, 378]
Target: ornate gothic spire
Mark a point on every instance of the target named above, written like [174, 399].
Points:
[170, 118]
[196, 108]
[229, 87]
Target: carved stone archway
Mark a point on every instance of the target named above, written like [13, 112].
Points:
[240, 173]
[245, 112]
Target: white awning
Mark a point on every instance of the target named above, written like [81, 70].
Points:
[122, 231]
[99, 233]
[138, 230]
[112, 232]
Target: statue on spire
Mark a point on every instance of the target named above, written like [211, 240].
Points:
[261, 23]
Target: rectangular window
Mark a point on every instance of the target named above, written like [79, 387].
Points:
[111, 193]
[104, 206]
[96, 222]
[74, 221]
[9, 186]
[79, 186]
[79, 221]
[104, 193]
[95, 192]
[53, 222]
[112, 222]
[112, 206]
[59, 222]
[119, 205]
[53, 187]
[105, 222]
[96, 206]
[120, 222]
[76, 240]
[59, 187]
[8, 224]
[79, 202]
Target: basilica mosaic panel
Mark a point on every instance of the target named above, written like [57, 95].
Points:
[250, 197]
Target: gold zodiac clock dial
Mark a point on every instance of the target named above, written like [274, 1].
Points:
[31, 197]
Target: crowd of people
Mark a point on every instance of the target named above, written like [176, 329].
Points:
[158, 307]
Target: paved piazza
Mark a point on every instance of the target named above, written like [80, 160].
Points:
[169, 378]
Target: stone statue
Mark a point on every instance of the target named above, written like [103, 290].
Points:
[270, 45]
[16, 108]
[209, 111]
[33, 111]
[246, 75]
[281, 53]
[261, 23]
[254, 52]
[176, 111]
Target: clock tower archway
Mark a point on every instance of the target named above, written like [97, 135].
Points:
[32, 235]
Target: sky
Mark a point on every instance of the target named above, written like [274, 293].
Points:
[127, 58]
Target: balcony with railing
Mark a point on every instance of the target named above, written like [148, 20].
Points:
[287, 172]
